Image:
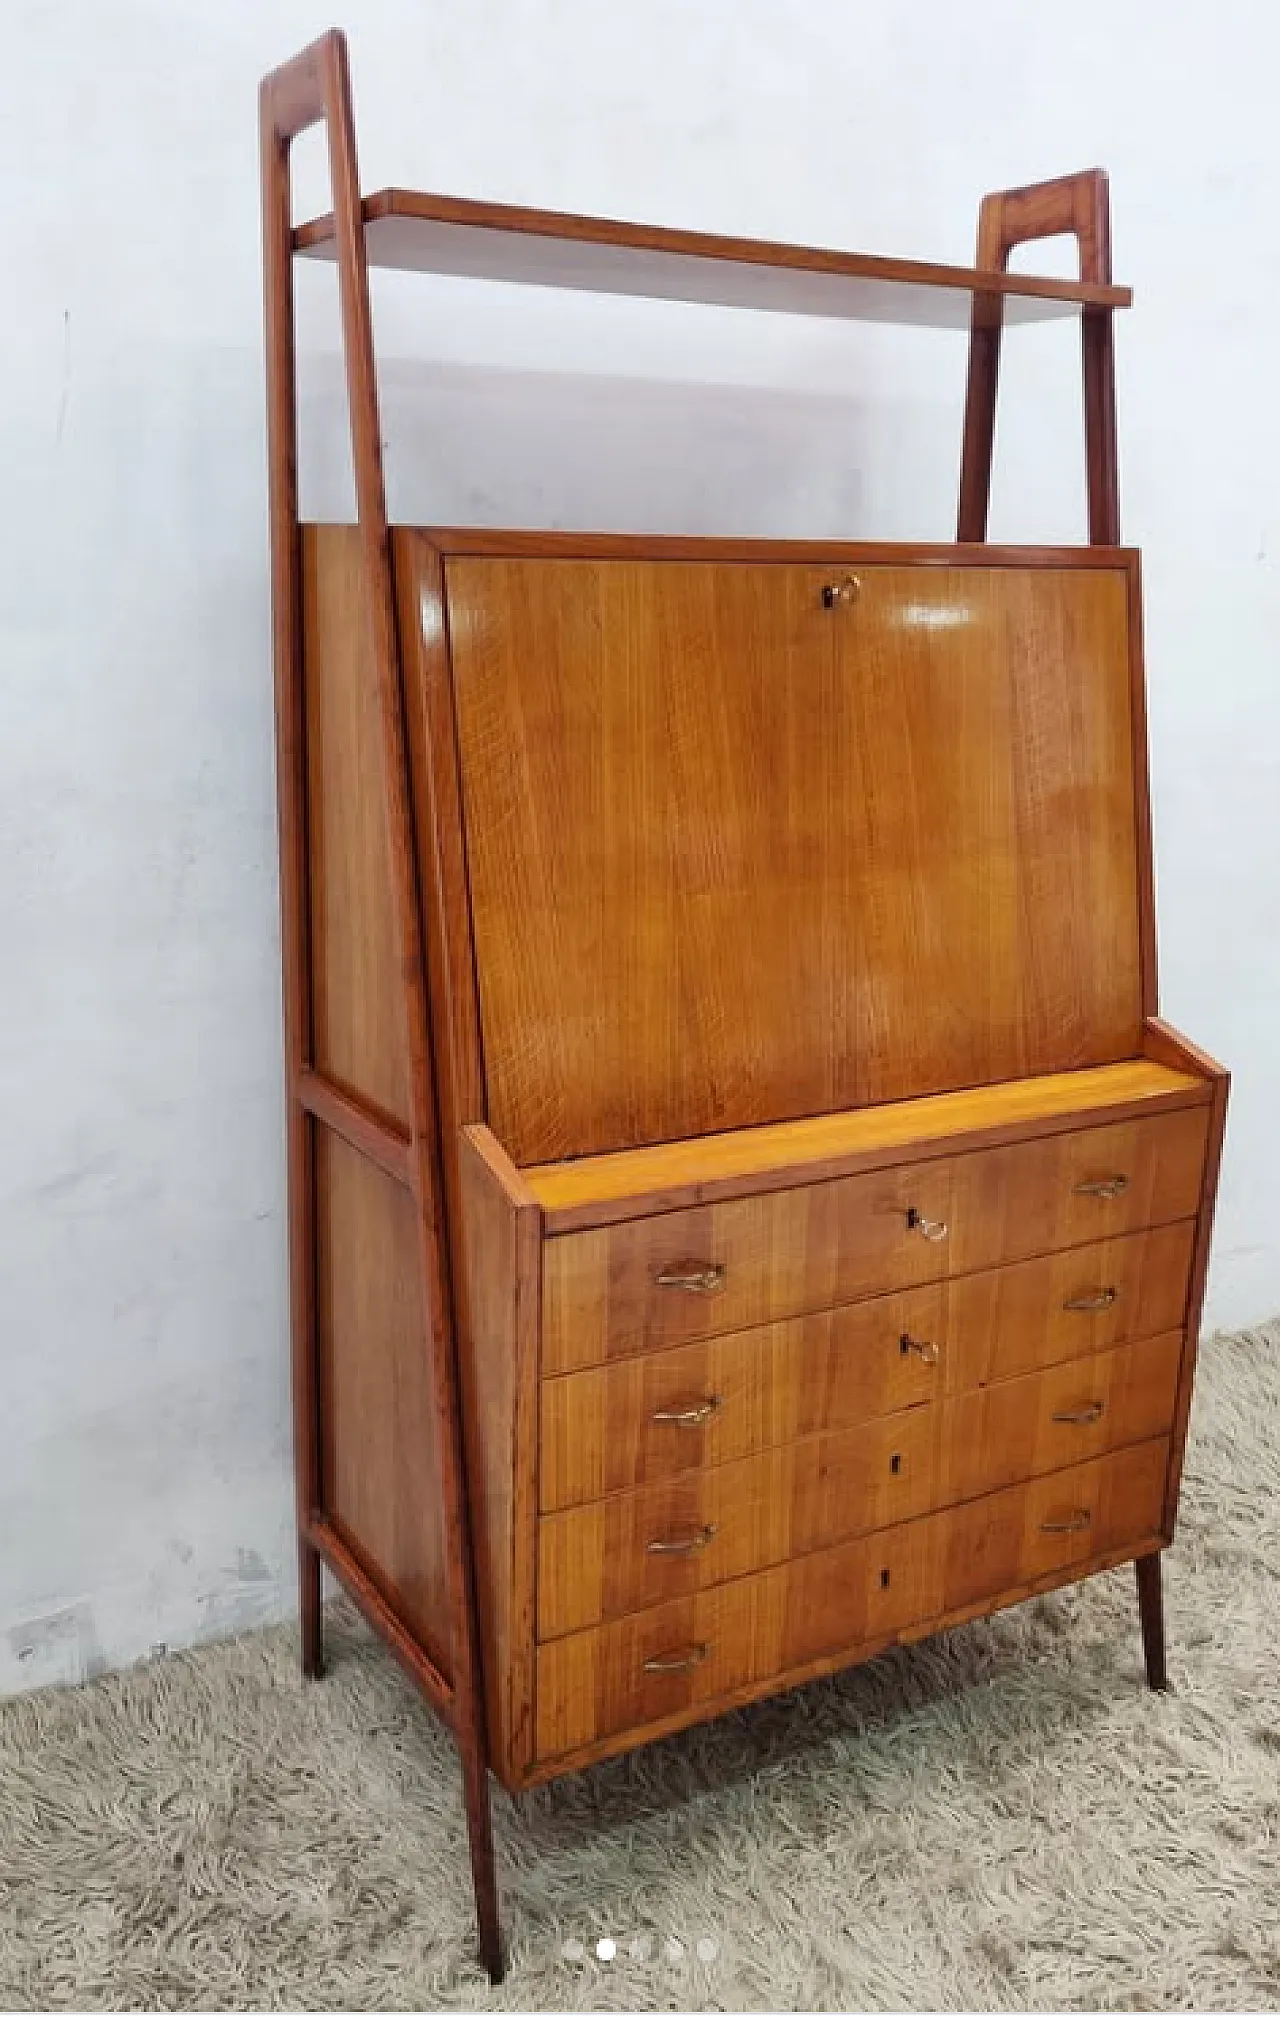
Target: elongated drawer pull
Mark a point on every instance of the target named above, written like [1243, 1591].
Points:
[1088, 1413]
[928, 1350]
[1092, 1301]
[682, 1546]
[1103, 1188]
[692, 1414]
[932, 1230]
[706, 1278]
[679, 1658]
[1066, 1525]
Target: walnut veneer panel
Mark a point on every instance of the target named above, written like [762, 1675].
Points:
[843, 1602]
[736, 856]
[379, 1436]
[357, 1002]
[779, 1254]
[676, 1536]
[608, 1428]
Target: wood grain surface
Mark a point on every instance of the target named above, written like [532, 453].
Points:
[608, 1428]
[783, 1253]
[594, 1685]
[817, 856]
[701, 1528]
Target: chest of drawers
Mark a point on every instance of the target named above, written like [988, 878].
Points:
[745, 1208]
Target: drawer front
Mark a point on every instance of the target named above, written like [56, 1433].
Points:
[647, 1418]
[653, 1416]
[646, 1284]
[1005, 1322]
[686, 1656]
[677, 1536]
[651, 1283]
[1056, 1192]
[617, 1556]
[1018, 1430]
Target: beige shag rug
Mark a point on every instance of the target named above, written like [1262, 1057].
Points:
[1003, 1817]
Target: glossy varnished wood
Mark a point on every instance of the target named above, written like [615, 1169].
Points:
[631, 1421]
[499, 1285]
[359, 1039]
[758, 1633]
[381, 1458]
[428, 233]
[624, 1185]
[776, 1255]
[636, 1549]
[761, 779]
[1029, 1198]
[316, 88]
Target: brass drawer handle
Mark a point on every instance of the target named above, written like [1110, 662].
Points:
[1093, 1301]
[847, 590]
[1103, 1188]
[684, 1658]
[928, 1350]
[1079, 1518]
[932, 1230]
[1088, 1413]
[692, 1276]
[693, 1414]
[682, 1546]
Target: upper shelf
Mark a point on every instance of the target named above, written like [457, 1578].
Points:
[504, 242]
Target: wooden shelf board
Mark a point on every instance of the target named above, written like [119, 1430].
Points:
[591, 1191]
[422, 233]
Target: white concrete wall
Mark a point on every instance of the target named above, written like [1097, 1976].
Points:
[143, 1439]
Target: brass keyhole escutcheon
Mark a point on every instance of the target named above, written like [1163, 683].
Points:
[847, 590]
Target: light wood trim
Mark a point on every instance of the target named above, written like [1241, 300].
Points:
[499, 1166]
[427, 233]
[623, 1185]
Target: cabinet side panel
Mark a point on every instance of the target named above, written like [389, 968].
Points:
[359, 1034]
[380, 1453]
[498, 1296]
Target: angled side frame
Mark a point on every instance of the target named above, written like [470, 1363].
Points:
[313, 88]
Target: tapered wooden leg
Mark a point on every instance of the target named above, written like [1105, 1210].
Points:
[1151, 1614]
[484, 1872]
[309, 1610]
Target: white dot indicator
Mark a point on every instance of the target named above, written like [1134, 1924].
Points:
[606, 1949]
[708, 1949]
[673, 1949]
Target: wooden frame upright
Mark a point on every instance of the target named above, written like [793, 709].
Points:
[315, 87]
[417, 1152]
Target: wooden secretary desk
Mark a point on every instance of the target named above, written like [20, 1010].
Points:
[745, 1210]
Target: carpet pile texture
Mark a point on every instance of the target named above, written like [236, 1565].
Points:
[1003, 1817]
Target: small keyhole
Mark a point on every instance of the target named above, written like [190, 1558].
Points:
[884, 1581]
[895, 1464]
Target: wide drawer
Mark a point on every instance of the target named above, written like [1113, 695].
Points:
[646, 1418]
[701, 1528]
[644, 1284]
[679, 1659]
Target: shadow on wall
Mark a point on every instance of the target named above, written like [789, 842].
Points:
[494, 446]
